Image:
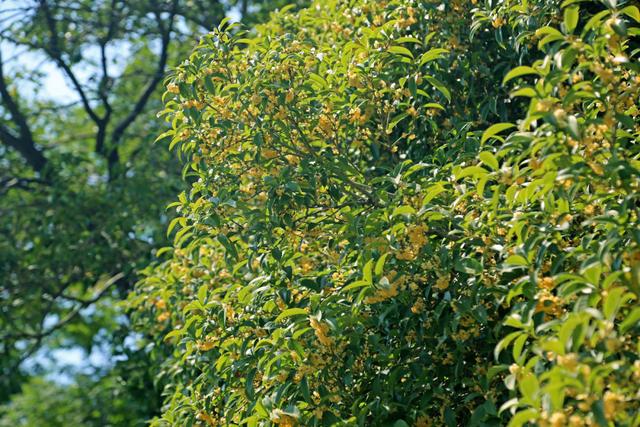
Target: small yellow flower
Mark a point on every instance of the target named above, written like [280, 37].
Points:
[206, 345]
[576, 421]
[612, 403]
[290, 95]
[418, 306]
[546, 283]
[382, 294]
[207, 418]
[269, 154]
[325, 125]
[442, 283]
[354, 80]
[596, 168]
[417, 235]
[321, 330]
[284, 419]
[356, 116]
[497, 22]
[558, 419]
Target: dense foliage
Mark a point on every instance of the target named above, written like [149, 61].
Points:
[405, 213]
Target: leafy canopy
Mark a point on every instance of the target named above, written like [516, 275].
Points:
[405, 213]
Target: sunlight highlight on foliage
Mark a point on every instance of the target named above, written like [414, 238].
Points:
[377, 233]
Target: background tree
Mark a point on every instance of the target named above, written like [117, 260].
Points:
[82, 188]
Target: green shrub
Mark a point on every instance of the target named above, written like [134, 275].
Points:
[406, 213]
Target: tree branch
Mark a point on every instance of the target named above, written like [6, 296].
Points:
[148, 91]
[23, 143]
[7, 184]
[98, 293]
[55, 52]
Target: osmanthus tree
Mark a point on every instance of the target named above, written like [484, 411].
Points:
[82, 191]
[405, 213]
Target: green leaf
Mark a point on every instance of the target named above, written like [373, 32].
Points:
[571, 15]
[223, 22]
[612, 302]
[528, 92]
[228, 245]
[494, 130]
[202, 293]
[489, 159]
[631, 320]
[379, 268]
[523, 70]
[550, 35]
[290, 312]
[439, 86]
[400, 50]
[318, 80]
[432, 55]
[598, 411]
[518, 345]
[475, 171]
[173, 224]
[567, 329]
[546, 31]
[408, 40]
[517, 260]
[355, 285]
[432, 192]
[175, 333]
[504, 343]
[522, 417]
[403, 210]
[394, 122]
[632, 12]
[248, 383]
[529, 387]
[166, 134]
[433, 105]
[594, 21]
[367, 272]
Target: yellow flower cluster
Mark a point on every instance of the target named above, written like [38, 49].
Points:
[383, 293]
[546, 283]
[442, 283]
[321, 330]
[284, 419]
[163, 317]
[417, 239]
[549, 304]
[417, 235]
[418, 306]
[173, 88]
[356, 116]
[207, 418]
[207, 344]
